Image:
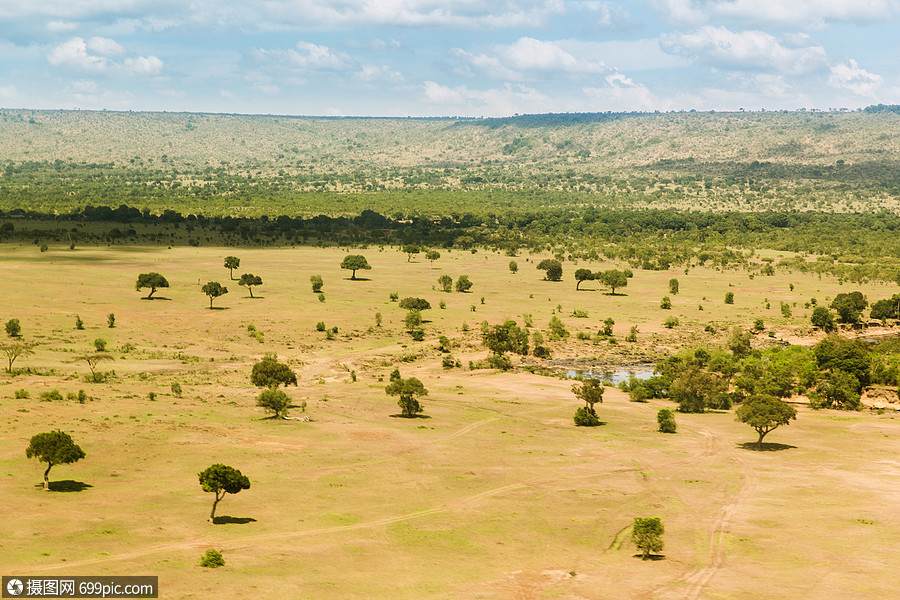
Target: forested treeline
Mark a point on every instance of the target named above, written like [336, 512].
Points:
[855, 247]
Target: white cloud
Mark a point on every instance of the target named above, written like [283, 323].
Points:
[143, 65]
[306, 57]
[8, 92]
[58, 26]
[503, 101]
[74, 53]
[621, 93]
[747, 50]
[804, 13]
[94, 55]
[857, 80]
[529, 55]
[104, 46]
[372, 73]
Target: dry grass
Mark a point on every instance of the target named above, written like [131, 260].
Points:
[496, 495]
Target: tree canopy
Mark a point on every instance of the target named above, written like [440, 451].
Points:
[410, 303]
[613, 278]
[53, 448]
[248, 280]
[764, 413]
[232, 263]
[849, 306]
[463, 284]
[270, 373]
[13, 350]
[582, 275]
[151, 280]
[507, 337]
[354, 263]
[214, 289]
[552, 268]
[221, 479]
[408, 390]
[646, 533]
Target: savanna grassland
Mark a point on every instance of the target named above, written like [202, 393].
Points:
[494, 495]
[492, 492]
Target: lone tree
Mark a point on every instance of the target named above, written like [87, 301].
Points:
[446, 283]
[410, 250]
[673, 286]
[214, 289]
[274, 401]
[463, 284]
[232, 263]
[432, 255]
[513, 267]
[355, 262]
[248, 280]
[665, 418]
[613, 278]
[221, 479]
[269, 373]
[14, 350]
[591, 392]
[93, 359]
[646, 533]
[408, 391]
[764, 413]
[13, 328]
[317, 283]
[53, 448]
[151, 280]
[582, 275]
[552, 269]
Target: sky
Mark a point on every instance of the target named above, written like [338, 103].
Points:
[425, 58]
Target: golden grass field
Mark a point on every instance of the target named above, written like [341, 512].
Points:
[495, 495]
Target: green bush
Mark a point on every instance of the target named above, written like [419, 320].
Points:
[666, 303]
[729, 298]
[212, 559]
[586, 417]
[22, 394]
[671, 322]
[666, 420]
[320, 326]
[51, 396]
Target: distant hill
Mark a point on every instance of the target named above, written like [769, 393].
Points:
[846, 160]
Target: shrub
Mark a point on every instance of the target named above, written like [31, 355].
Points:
[100, 345]
[417, 334]
[500, 362]
[79, 324]
[111, 320]
[448, 362]
[729, 298]
[22, 394]
[13, 328]
[317, 283]
[51, 396]
[321, 297]
[666, 420]
[586, 417]
[378, 319]
[212, 559]
[541, 352]
[176, 389]
[632, 334]
[320, 326]
[394, 296]
[671, 322]
[759, 325]
[666, 303]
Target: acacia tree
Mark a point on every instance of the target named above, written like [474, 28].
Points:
[232, 263]
[463, 284]
[613, 278]
[590, 392]
[410, 250]
[646, 533]
[151, 280]
[214, 289]
[355, 262]
[764, 413]
[248, 280]
[408, 390]
[582, 275]
[552, 269]
[14, 350]
[53, 448]
[221, 479]
[93, 359]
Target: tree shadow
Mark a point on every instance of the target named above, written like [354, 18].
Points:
[357, 279]
[254, 297]
[650, 557]
[402, 416]
[66, 485]
[613, 294]
[218, 308]
[155, 298]
[766, 447]
[226, 520]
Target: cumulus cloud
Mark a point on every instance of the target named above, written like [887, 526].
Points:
[96, 55]
[503, 101]
[621, 93]
[373, 73]
[854, 78]
[747, 50]
[306, 57]
[529, 55]
[805, 13]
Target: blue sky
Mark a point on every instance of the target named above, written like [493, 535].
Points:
[446, 57]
